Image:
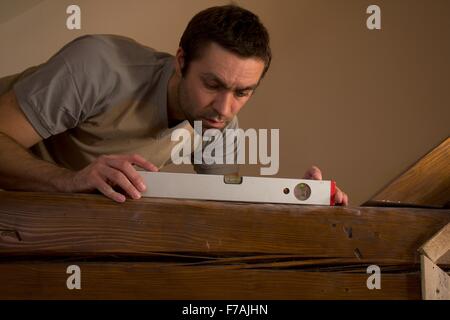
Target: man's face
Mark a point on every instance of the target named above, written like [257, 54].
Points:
[217, 85]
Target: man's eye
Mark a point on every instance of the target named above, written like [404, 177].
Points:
[242, 93]
[212, 86]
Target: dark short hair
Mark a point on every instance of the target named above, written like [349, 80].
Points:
[233, 28]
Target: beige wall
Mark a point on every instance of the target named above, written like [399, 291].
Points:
[362, 105]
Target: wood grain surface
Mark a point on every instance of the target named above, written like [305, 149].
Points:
[182, 249]
[165, 281]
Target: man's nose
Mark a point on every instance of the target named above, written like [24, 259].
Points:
[223, 104]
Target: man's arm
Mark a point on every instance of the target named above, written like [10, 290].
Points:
[21, 170]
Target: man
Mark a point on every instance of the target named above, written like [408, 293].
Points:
[104, 104]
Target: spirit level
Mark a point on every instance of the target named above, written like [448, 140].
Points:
[234, 188]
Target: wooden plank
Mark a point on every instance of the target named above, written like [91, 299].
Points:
[435, 282]
[178, 249]
[90, 225]
[426, 183]
[437, 249]
[126, 280]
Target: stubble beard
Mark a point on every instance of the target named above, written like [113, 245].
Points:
[186, 106]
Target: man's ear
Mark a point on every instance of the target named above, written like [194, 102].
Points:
[179, 61]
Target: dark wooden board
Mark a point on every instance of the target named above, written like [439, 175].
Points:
[165, 281]
[182, 249]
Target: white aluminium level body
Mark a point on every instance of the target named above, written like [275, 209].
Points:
[230, 188]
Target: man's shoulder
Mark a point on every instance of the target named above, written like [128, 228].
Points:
[110, 41]
[111, 48]
[104, 40]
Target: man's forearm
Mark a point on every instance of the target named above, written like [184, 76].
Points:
[20, 170]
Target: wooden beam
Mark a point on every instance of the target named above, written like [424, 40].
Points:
[68, 224]
[437, 249]
[161, 248]
[140, 280]
[426, 183]
[435, 282]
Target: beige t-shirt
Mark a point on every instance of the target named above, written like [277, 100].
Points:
[103, 94]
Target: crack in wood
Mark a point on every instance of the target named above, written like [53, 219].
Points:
[348, 231]
[8, 233]
[232, 261]
[358, 253]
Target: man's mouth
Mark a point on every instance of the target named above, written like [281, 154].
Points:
[213, 123]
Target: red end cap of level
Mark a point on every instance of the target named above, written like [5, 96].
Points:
[332, 192]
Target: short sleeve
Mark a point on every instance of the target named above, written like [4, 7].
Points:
[230, 147]
[63, 91]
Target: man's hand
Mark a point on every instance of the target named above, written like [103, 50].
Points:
[314, 173]
[107, 172]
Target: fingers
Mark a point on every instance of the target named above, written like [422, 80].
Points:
[127, 169]
[313, 173]
[108, 191]
[117, 170]
[118, 178]
[124, 163]
[340, 197]
[140, 161]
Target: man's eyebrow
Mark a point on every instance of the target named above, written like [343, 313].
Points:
[213, 77]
